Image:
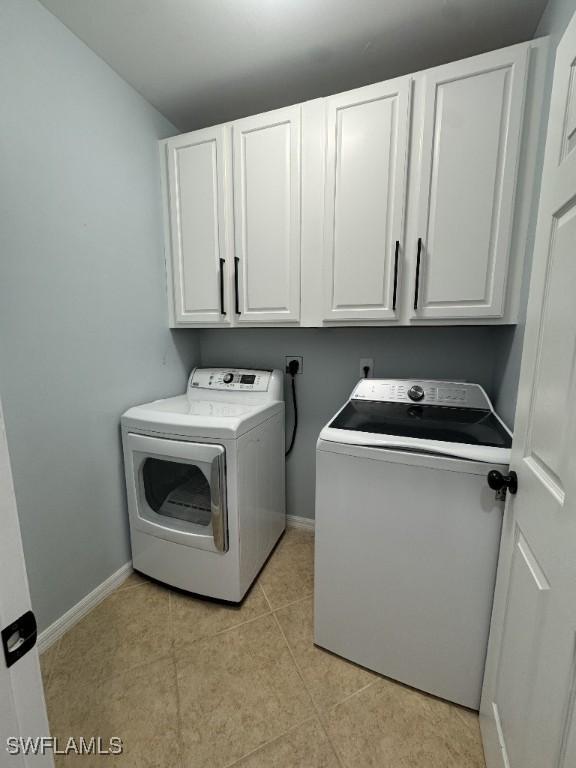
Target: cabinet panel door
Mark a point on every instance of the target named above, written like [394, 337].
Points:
[366, 168]
[267, 216]
[197, 168]
[472, 121]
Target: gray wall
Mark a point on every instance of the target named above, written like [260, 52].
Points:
[554, 21]
[83, 323]
[331, 368]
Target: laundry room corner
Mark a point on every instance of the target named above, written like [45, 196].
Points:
[287, 383]
[83, 310]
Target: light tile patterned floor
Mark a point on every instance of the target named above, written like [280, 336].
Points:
[188, 683]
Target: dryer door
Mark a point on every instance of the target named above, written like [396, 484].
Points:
[177, 490]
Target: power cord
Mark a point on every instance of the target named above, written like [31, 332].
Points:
[292, 368]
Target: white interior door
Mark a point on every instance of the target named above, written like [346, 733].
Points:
[366, 166]
[529, 695]
[267, 216]
[22, 708]
[471, 131]
[198, 210]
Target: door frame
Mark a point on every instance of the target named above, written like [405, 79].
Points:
[22, 704]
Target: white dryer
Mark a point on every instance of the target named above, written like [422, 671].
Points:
[408, 532]
[205, 481]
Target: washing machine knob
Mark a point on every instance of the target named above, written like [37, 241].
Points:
[416, 393]
[228, 378]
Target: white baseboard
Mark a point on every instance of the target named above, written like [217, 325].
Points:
[293, 521]
[55, 631]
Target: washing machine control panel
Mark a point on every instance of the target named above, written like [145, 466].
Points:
[447, 393]
[235, 379]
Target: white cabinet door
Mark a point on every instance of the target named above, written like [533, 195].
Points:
[471, 131]
[366, 165]
[267, 216]
[199, 265]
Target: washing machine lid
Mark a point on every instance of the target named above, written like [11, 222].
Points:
[426, 422]
[448, 418]
[180, 416]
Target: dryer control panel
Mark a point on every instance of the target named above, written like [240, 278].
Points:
[425, 392]
[229, 379]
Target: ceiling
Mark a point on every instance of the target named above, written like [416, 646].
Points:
[202, 62]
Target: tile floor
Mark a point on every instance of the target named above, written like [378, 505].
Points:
[188, 683]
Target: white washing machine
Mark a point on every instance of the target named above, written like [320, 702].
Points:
[408, 532]
[205, 481]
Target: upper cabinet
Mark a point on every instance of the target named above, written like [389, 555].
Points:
[198, 216]
[367, 138]
[470, 129]
[406, 202]
[267, 216]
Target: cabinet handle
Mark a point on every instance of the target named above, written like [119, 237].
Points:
[222, 309]
[236, 296]
[417, 273]
[395, 276]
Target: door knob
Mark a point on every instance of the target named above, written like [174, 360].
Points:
[499, 482]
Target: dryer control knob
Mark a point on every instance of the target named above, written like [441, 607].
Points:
[416, 393]
[228, 378]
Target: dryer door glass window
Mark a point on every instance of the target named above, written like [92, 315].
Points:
[186, 496]
[177, 490]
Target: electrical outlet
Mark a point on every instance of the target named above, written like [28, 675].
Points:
[366, 362]
[300, 360]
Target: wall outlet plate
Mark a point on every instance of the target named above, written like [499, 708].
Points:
[294, 357]
[367, 362]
